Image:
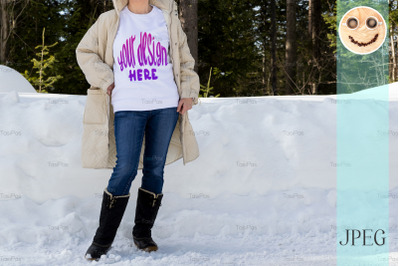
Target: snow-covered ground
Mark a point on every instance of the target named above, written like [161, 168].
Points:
[263, 191]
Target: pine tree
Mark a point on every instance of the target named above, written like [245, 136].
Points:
[41, 65]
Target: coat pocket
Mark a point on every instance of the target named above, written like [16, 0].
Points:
[95, 108]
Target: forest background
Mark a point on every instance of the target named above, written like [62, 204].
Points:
[241, 47]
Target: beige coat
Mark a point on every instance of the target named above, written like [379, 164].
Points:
[95, 58]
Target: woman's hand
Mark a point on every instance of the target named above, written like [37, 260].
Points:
[185, 104]
[110, 89]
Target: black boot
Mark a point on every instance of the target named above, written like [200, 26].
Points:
[147, 207]
[112, 210]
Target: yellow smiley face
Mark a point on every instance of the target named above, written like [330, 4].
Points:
[362, 30]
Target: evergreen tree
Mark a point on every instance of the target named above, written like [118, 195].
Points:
[242, 41]
[228, 44]
[42, 81]
[28, 33]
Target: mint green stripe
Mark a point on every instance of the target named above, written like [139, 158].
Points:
[362, 148]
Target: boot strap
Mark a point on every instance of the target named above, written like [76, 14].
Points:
[113, 198]
[155, 196]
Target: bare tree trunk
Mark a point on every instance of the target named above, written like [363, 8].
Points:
[310, 11]
[264, 74]
[188, 17]
[393, 33]
[8, 19]
[264, 20]
[290, 65]
[310, 34]
[4, 18]
[265, 70]
[314, 25]
[394, 56]
[273, 47]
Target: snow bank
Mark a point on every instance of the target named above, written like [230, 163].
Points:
[12, 80]
[261, 193]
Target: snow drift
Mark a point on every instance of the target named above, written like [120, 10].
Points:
[261, 193]
[13, 81]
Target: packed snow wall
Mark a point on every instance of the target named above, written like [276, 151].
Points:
[266, 172]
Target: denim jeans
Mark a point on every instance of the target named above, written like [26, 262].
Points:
[130, 126]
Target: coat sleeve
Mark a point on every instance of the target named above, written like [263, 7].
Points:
[190, 83]
[97, 72]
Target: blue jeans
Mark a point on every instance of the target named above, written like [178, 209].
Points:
[130, 126]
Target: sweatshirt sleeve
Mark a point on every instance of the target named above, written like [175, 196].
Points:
[190, 83]
[97, 72]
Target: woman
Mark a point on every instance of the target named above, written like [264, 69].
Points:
[137, 56]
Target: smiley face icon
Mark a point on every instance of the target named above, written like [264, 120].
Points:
[362, 30]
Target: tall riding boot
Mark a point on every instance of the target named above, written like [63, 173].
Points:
[147, 207]
[112, 210]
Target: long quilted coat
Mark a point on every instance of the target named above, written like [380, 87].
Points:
[95, 58]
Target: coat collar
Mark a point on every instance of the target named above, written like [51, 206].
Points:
[166, 5]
